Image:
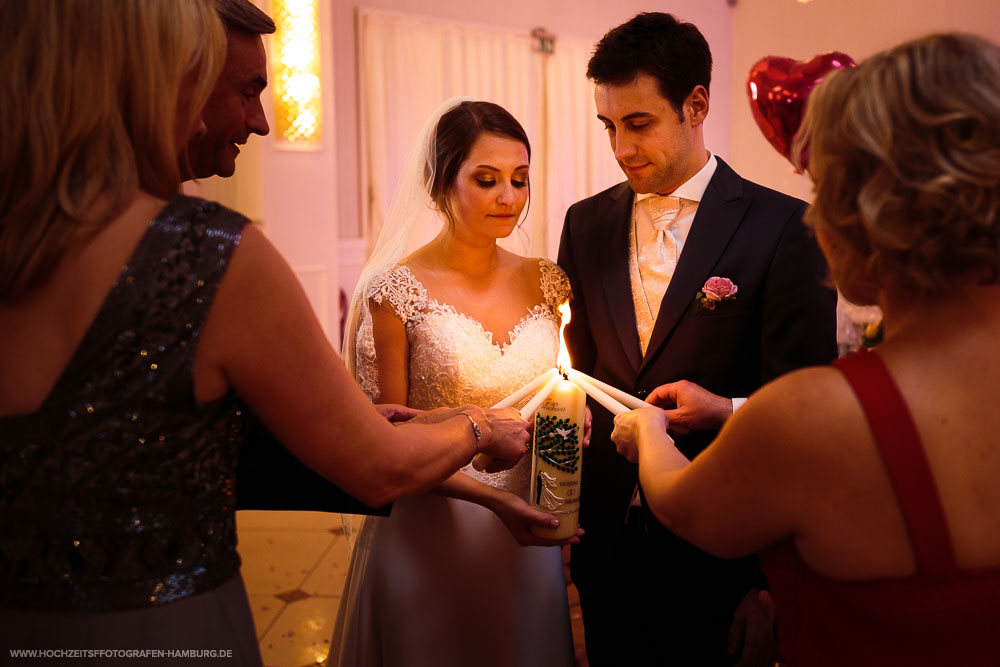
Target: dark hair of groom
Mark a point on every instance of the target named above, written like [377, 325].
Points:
[673, 52]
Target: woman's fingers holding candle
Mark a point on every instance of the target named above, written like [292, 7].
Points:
[624, 435]
[588, 422]
[519, 517]
[482, 461]
[629, 427]
[512, 425]
[505, 436]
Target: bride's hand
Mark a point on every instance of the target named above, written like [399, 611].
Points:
[505, 436]
[518, 516]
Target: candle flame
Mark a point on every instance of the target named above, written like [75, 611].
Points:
[563, 360]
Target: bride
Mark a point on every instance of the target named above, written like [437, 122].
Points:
[456, 577]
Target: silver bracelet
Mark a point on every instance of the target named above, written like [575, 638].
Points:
[478, 432]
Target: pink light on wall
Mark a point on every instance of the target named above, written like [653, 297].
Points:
[297, 89]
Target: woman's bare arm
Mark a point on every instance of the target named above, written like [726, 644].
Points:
[262, 339]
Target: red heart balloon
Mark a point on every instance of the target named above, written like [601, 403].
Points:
[778, 89]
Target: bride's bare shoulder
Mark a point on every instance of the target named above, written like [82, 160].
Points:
[425, 259]
[532, 266]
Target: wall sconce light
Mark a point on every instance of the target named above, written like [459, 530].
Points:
[297, 90]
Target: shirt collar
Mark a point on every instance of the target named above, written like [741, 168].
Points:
[694, 188]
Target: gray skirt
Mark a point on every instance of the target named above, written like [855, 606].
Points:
[211, 628]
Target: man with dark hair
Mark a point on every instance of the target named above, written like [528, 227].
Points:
[233, 111]
[687, 275]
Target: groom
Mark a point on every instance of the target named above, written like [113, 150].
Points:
[637, 262]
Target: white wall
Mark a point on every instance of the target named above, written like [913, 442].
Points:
[858, 28]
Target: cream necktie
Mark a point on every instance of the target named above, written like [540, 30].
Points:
[657, 252]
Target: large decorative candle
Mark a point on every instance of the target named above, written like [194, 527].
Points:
[556, 459]
[557, 451]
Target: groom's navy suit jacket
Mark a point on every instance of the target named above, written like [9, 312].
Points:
[782, 318]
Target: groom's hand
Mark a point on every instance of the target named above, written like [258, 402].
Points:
[690, 407]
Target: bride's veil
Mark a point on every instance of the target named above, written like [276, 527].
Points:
[413, 220]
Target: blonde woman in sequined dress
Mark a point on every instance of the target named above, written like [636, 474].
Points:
[137, 328]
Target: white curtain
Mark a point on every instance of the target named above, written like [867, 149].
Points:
[409, 65]
[579, 161]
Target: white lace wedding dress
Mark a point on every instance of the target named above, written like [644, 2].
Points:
[441, 581]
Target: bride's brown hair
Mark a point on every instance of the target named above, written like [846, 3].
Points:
[457, 130]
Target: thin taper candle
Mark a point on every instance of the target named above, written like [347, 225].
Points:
[633, 402]
[613, 406]
[531, 407]
[526, 390]
[604, 399]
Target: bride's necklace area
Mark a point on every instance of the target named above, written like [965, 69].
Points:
[466, 260]
[457, 276]
[453, 291]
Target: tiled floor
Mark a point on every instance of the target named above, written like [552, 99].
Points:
[294, 566]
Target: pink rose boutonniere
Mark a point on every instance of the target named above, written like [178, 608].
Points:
[714, 290]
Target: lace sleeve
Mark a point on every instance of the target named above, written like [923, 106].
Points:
[400, 288]
[555, 284]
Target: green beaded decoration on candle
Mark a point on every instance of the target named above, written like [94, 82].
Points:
[557, 442]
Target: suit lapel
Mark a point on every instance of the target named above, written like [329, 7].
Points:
[719, 215]
[616, 216]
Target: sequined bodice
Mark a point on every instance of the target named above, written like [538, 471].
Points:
[118, 492]
[455, 361]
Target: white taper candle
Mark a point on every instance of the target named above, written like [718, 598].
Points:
[599, 395]
[633, 402]
[531, 407]
[526, 390]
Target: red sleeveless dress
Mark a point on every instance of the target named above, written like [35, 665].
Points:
[940, 616]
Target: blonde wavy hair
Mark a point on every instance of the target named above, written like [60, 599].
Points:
[905, 157]
[90, 99]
